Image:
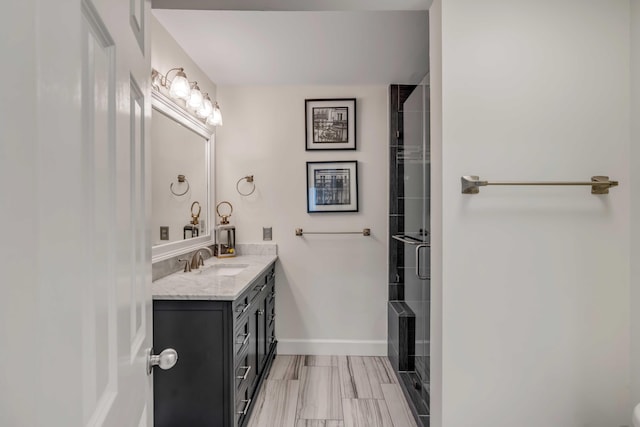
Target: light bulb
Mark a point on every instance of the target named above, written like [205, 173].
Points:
[195, 98]
[206, 108]
[215, 119]
[180, 87]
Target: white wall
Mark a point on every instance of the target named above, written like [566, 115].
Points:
[331, 290]
[535, 314]
[635, 199]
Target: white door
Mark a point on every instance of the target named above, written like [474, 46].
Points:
[79, 163]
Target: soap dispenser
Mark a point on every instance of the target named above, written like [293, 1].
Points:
[225, 234]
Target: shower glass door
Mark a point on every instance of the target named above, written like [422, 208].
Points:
[415, 160]
[409, 290]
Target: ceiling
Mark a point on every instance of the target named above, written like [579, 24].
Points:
[309, 47]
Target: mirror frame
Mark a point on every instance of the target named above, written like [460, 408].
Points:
[165, 105]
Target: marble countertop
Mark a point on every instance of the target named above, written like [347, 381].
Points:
[204, 284]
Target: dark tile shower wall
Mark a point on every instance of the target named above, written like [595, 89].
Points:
[398, 94]
[401, 319]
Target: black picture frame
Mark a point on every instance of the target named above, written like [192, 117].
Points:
[332, 186]
[330, 124]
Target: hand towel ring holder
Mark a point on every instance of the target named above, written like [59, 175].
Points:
[249, 179]
[181, 178]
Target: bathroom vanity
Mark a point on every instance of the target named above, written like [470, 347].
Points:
[221, 321]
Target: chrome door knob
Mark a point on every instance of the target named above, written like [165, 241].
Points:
[165, 360]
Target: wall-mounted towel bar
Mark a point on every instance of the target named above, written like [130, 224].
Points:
[410, 240]
[364, 232]
[599, 184]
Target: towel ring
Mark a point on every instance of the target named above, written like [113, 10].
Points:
[181, 178]
[249, 179]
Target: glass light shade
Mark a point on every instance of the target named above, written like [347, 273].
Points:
[180, 87]
[195, 98]
[206, 108]
[215, 119]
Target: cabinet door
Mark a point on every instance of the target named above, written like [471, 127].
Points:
[252, 354]
[271, 316]
[195, 391]
[261, 320]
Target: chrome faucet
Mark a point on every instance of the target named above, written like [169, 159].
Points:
[196, 257]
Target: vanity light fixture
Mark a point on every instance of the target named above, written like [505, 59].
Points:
[195, 101]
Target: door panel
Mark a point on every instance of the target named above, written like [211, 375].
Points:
[93, 254]
[99, 328]
[137, 191]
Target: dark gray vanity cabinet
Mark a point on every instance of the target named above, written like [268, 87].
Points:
[225, 350]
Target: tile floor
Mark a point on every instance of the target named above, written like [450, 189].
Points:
[331, 391]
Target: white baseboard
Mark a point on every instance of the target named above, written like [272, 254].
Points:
[332, 347]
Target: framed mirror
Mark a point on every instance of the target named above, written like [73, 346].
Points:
[181, 187]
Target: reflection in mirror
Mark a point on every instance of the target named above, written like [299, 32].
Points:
[180, 186]
[177, 154]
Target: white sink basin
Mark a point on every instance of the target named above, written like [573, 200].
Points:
[223, 269]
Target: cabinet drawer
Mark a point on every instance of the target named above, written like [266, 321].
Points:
[241, 339]
[271, 274]
[242, 404]
[256, 290]
[271, 291]
[271, 302]
[244, 372]
[271, 334]
[241, 307]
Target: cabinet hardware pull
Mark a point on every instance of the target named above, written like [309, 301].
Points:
[246, 407]
[244, 341]
[260, 312]
[246, 372]
[242, 310]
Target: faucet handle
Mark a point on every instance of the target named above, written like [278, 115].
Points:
[187, 265]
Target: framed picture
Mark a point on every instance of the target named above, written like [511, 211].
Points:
[330, 124]
[332, 186]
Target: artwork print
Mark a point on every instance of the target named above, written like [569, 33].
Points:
[330, 124]
[332, 186]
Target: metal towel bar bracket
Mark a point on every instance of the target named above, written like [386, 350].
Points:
[364, 232]
[599, 184]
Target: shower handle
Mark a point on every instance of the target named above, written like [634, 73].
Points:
[418, 247]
